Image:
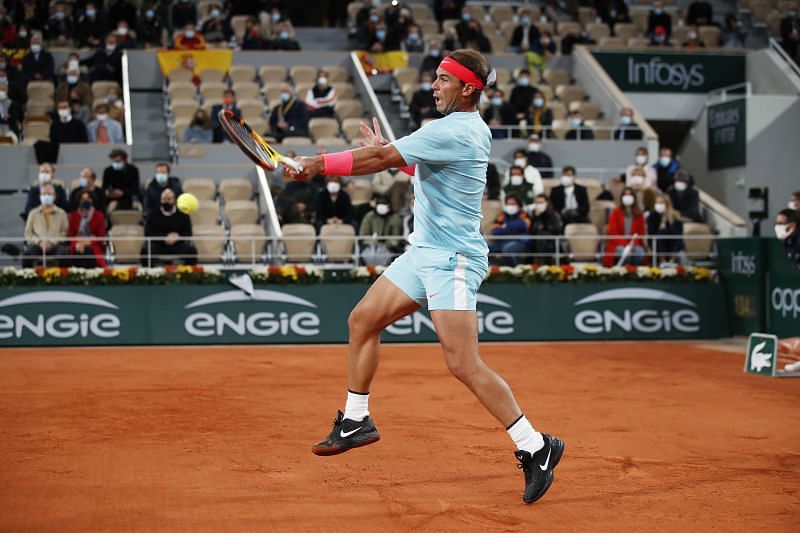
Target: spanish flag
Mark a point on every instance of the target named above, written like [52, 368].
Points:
[195, 60]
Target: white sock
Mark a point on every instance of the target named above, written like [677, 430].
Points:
[357, 406]
[524, 436]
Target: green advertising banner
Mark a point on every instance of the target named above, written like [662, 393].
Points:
[727, 134]
[666, 71]
[783, 292]
[221, 314]
[742, 267]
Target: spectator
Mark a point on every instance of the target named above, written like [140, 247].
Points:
[544, 221]
[79, 111]
[67, 129]
[422, 104]
[625, 226]
[431, 61]
[700, 13]
[10, 75]
[659, 37]
[530, 172]
[640, 161]
[45, 229]
[381, 223]
[733, 35]
[522, 94]
[23, 38]
[786, 231]
[627, 130]
[10, 113]
[447, 9]
[333, 204]
[252, 39]
[382, 40]
[295, 202]
[693, 40]
[73, 62]
[790, 32]
[278, 17]
[161, 180]
[645, 192]
[289, 118]
[538, 116]
[492, 190]
[476, 40]
[152, 29]
[122, 11]
[570, 200]
[228, 103]
[518, 186]
[121, 182]
[539, 160]
[189, 39]
[541, 53]
[413, 40]
[7, 30]
[183, 12]
[106, 63]
[46, 176]
[92, 26]
[199, 130]
[794, 202]
[510, 223]
[321, 98]
[126, 39]
[612, 12]
[216, 28]
[685, 198]
[103, 129]
[88, 224]
[665, 224]
[574, 37]
[658, 18]
[579, 131]
[116, 107]
[463, 28]
[499, 113]
[39, 64]
[87, 183]
[74, 85]
[665, 168]
[59, 27]
[173, 231]
[526, 35]
[281, 39]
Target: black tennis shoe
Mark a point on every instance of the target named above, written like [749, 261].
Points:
[347, 434]
[538, 468]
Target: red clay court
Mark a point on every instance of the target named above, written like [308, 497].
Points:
[659, 436]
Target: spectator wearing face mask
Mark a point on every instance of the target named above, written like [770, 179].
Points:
[38, 64]
[579, 130]
[11, 113]
[539, 117]
[92, 26]
[122, 11]
[228, 103]
[627, 129]
[665, 168]
[161, 180]
[333, 204]
[183, 12]
[525, 35]
[199, 130]
[79, 111]
[252, 39]
[321, 98]
[87, 226]
[216, 28]
[173, 231]
[45, 179]
[664, 223]
[289, 118]
[413, 41]
[693, 40]
[574, 37]
[381, 222]
[281, 38]
[658, 18]
[106, 63]
[612, 12]
[45, 230]
[786, 231]
[295, 203]
[476, 40]
[121, 182]
[640, 161]
[126, 38]
[23, 38]
[645, 194]
[522, 94]
[659, 37]
[685, 198]
[431, 61]
[152, 27]
[541, 53]
[59, 27]
[189, 39]
[499, 113]
[538, 159]
[513, 221]
[447, 9]
[625, 221]
[73, 85]
[463, 28]
[422, 104]
[87, 183]
[570, 200]
[544, 222]
[66, 128]
[733, 34]
[518, 186]
[104, 129]
[790, 31]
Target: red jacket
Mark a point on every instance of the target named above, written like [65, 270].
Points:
[616, 228]
[97, 227]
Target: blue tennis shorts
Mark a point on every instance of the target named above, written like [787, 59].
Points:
[445, 280]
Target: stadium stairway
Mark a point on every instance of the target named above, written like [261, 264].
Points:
[149, 128]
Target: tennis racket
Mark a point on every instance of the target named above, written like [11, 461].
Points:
[252, 144]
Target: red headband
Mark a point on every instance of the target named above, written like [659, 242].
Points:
[461, 72]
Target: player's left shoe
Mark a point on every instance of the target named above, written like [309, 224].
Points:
[347, 434]
[538, 468]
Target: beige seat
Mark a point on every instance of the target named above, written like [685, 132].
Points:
[41, 90]
[251, 109]
[337, 242]
[490, 209]
[323, 127]
[501, 13]
[598, 213]
[588, 110]
[428, 27]
[259, 125]
[127, 242]
[211, 75]
[247, 90]
[546, 26]
[241, 74]
[336, 73]
[639, 20]
[299, 241]
[601, 129]
[549, 183]
[638, 42]
[350, 128]
[331, 141]
[272, 92]
[761, 9]
[556, 76]
[499, 43]
[271, 74]
[248, 242]
[207, 213]
[238, 24]
[36, 129]
[698, 248]
[100, 89]
[344, 90]
[625, 31]
[593, 187]
[362, 191]
[349, 109]
[303, 74]
[710, 35]
[296, 141]
[403, 75]
[241, 212]
[353, 8]
[301, 89]
[560, 128]
[420, 11]
[611, 42]
[209, 241]
[583, 240]
[236, 189]
[408, 91]
[39, 106]
[213, 90]
[570, 93]
[586, 16]
[184, 108]
[179, 75]
[181, 91]
[125, 217]
[565, 27]
[598, 31]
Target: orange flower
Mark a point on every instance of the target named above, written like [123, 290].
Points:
[371, 270]
[494, 270]
[301, 271]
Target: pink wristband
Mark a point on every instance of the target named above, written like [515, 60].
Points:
[410, 170]
[338, 164]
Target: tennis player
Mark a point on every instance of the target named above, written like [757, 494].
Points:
[443, 269]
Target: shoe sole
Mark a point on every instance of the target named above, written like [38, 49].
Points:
[551, 475]
[325, 451]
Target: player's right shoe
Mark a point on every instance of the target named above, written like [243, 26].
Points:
[538, 468]
[347, 434]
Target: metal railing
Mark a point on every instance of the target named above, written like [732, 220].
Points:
[788, 61]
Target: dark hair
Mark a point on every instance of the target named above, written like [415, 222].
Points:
[796, 193]
[569, 168]
[162, 164]
[515, 197]
[116, 152]
[542, 195]
[789, 214]
[475, 62]
[629, 190]
[516, 167]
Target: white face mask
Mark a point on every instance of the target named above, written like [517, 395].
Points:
[46, 199]
[382, 209]
[36, 48]
[161, 179]
[641, 160]
[189, 34]
[110, 48]
[3, 95]
[660, 208]
[792, 204]
[516, 180]
[782, 231]
[628, 200]
[511, 209]
[72, 80]
[567, 181]
[539, 208]
[102, 116]
[636, 181]
[122, 30]
[520, 162]
[44, 177]
[333, 187]
[73, 64]
[322, 81]
[680, 185]
[534, 147]
[664, 160]
[83, 182]
[65, 115]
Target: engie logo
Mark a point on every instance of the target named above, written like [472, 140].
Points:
[657, 72]
[786, 301]
[596, 321]
[66, 324]
[496, 322]
[258, 324]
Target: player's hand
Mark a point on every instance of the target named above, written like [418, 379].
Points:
[373, 137]
[311, 167]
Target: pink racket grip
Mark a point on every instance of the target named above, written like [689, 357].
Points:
[292, 164]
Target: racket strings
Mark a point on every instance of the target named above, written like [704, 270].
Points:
[247, 136]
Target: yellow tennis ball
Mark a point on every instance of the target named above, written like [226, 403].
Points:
[187, 203]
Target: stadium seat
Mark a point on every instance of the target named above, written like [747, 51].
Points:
[236, 189]
[598, 213]
[125, 217]
[710, 35]
[593, 186]
[298, 242]
[247, 90]
[238, 23]
[639, 20]
[272, 92]
[429, 27]
[583, 240]
[408, 91]
[565, 27]
[241, 74]
[209, 241]
[181, 90]
[272, 74]
[490, 209]
[499, 43]
[207, 213]
[241, 212]
[100, 89]
[344, 90]
[251, 109]
[303, 74]
[362, 191]
[183, 108]
[331, 141]
[698, 249]
[556, 76]
[258, 124]
[180, 74]
[337, 242]
[588, 110]
[420, 12]
[350, 128]
[37, 128]
[349, 109]
[40, 90]
[39, 106]
[560, 128]
[323, 127]
[625, 31]
[611, 42]
[598, 31]
[586, 17]
[602, 132]
[545, 26]
[760, 9]
[127, 242]
[549, 183]
[213, 90]
[248, 242]
[403, 75]
[501, 13]
[638, 42]
[570, 93]
[336, 73]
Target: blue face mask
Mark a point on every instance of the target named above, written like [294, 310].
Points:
[576, 122]
[373, 18]
[117, 165]
[414, 37]
[285, 97]
[215, 13]
[425, 86]
[525, 21]
[90, 13]
[466, 16]
[658, 10]
[497, 101]
[161, 179]
[284, 35]
[276, 17]
[524, 81]
[435, 52]
[538, 102]
[380, 35]
[149, 13]
[625, 120]
[46, 199]
[60, 15]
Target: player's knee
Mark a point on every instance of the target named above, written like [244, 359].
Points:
[462, 369]
[361, 321]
